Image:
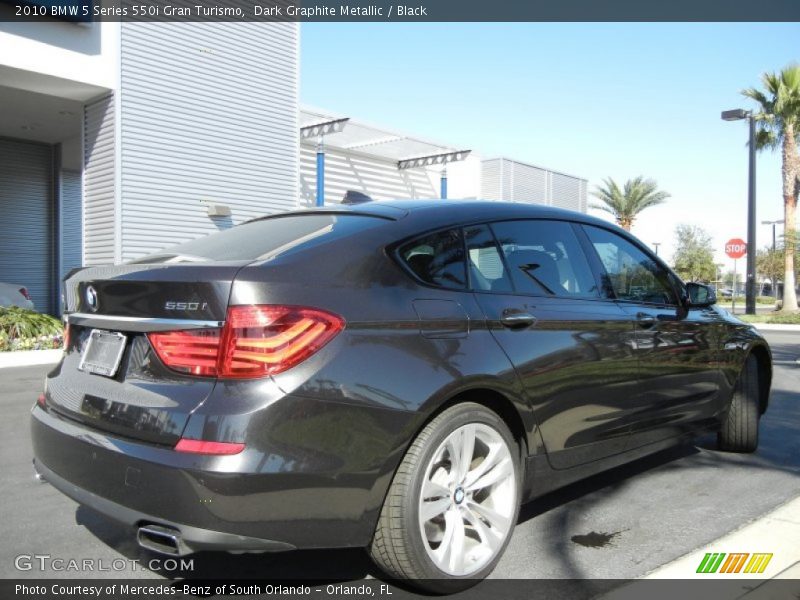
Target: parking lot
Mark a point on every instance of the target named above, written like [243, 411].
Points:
[620, 525]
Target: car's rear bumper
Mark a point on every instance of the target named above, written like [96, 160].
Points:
[189, 539]
[238, 502]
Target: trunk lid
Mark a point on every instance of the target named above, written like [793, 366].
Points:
[113, 379]
[141, 398]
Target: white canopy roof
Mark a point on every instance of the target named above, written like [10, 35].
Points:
[348, 134]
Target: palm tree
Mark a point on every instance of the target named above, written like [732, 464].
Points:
[626, 203]
[778, 119]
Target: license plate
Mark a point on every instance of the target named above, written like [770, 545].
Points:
[103, 352]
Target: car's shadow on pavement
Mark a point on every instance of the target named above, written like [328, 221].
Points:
[606, 479]
[703, 450]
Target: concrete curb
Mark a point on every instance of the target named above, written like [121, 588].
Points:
[27, 358]
[775, 533]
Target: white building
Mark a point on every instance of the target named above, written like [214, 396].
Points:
[113, 134]
[116, 139]
[514, 181]
[383, 164]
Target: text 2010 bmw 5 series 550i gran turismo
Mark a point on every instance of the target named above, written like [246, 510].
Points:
[393, 375]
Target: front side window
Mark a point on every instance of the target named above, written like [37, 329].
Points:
[437, 259]
[631, 274]
[545, 258]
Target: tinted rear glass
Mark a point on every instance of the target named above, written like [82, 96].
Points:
[265, 239]
[438, 259]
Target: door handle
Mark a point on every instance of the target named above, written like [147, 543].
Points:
[645, 320]
[514, 319]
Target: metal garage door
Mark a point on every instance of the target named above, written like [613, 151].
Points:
[26, 209]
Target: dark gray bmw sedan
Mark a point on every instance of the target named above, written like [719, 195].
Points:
[394, 375]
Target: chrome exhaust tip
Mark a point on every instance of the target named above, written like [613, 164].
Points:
[37, 475]
[164, 540]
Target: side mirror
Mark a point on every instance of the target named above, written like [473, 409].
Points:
[700, 295]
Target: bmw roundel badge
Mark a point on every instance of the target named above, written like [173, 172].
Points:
[91, 298]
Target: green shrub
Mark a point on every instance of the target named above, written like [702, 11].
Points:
[740, 299]
[24, 329]
[787, 319]
[772, 318]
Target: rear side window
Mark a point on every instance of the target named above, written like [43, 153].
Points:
[437, 259]
[487, 273]
[545, 258]
[266, 238]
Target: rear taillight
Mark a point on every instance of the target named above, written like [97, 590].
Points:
[256, 341]
[265, 340]
[24, 292]
[65, 343]
[191, 352]
[202, 447]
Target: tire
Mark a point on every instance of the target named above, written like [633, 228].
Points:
[739, 431]
[470, 512]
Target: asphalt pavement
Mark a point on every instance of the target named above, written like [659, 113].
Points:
[622, 524]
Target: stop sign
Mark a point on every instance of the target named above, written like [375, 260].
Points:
[736, 248]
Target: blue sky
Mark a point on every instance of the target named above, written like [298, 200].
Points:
[593, 100]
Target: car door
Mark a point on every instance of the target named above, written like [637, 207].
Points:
[676, 348]
[569, 346]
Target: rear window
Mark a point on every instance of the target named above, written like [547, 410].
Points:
[437, 259]
[265, 239]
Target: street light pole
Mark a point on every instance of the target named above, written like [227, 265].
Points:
[773, 223]
[656, 245]
[750, 290]
[750, 284]
[774, 247]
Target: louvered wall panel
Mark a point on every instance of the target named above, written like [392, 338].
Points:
[209, 112]
[566, 192]
[71, 222]
[99, 182]
[528, 184]
[491, 179]
[514, 181]
[379, 179]
[584, 203]
[26, 236]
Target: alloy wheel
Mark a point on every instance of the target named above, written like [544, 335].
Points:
[468, 498]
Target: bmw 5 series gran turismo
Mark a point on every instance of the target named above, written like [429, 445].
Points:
[394, 375]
